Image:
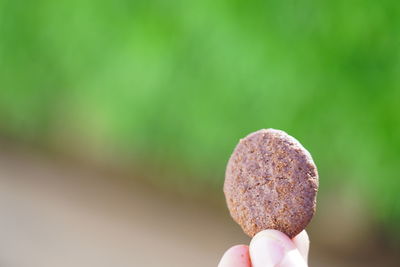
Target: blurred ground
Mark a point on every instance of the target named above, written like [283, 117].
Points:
[57, 214]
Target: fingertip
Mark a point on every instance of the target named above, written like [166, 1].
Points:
[236, 256]
[275, 234]
[302, 242]
[273, 248]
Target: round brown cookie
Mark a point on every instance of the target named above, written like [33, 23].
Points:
[271, 182]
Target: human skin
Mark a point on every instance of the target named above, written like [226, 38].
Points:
[269, 248]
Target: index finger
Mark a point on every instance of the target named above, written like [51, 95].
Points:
[302, 242]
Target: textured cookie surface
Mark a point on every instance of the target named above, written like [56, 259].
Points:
[271, 182]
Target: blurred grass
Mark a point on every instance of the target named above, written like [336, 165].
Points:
[183, 81]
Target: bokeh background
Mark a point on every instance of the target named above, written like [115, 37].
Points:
[117, 119]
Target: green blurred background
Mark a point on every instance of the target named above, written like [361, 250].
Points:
[177, 83]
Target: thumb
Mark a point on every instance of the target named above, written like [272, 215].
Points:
[273, 248]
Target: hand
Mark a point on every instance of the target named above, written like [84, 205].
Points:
[269, 248]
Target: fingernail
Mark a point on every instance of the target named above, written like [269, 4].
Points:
[266, 250]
